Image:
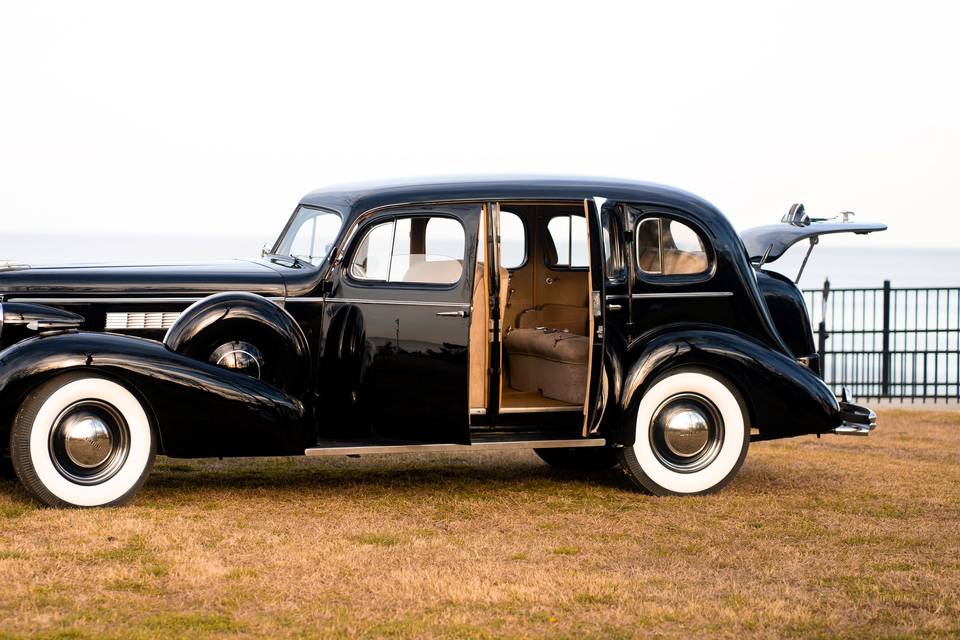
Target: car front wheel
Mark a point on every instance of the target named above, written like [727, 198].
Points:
[692, 435]
[80, 440]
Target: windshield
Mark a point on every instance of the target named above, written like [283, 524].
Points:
[310, 235]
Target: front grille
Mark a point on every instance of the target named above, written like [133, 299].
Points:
[141, 320]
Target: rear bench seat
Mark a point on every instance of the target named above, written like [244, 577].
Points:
[548, 352]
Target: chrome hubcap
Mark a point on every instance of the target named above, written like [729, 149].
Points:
[686, 432]
[89, 442]
[87, 439]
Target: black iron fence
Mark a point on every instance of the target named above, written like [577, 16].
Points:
[891, 343]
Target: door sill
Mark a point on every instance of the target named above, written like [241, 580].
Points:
[355, 449]
[507, 410]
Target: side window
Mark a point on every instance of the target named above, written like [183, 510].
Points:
[568, 234]
[613, 256]
[425, 250]
[513, 240]
[669, 247]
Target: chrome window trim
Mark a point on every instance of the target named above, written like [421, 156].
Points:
[128, 300]
[136, 300]
[666, 294]
[411, 303]
[660, 213]
[347, 271]
[673, 294]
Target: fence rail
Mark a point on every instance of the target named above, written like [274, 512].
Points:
[889, 343]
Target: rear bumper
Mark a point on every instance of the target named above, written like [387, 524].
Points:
[856, 420]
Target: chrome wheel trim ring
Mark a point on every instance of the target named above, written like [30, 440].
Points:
[686, 432]
[89, 442]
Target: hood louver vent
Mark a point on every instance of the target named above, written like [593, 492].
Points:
[141, 320]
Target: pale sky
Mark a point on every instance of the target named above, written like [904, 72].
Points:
[214, 118]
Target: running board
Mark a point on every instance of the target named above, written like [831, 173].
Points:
[348, 449]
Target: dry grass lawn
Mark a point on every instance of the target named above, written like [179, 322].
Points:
[850, 537]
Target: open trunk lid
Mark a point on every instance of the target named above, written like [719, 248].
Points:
[769, 242]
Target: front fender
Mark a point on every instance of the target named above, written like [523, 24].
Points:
[783, 398]
[237, 315]
[199, 409]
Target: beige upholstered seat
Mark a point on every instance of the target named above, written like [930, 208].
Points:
[555, 316]
[433, 271]
[548, 350]
[676, 262]
[551, 362]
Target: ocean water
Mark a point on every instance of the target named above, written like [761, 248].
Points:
[856, 266]
[845, 266]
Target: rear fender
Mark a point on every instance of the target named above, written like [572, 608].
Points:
[783, 398]
[199, 409]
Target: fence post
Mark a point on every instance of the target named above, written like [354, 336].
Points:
[885, 363]
[822, 328]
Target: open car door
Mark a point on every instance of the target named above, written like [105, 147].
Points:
[595, 327]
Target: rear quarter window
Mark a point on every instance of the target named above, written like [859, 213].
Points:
[668, 247]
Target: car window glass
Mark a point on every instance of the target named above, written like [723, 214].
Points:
[513, 240]
[611, 246]
[312, 235]
[444, 237]
[427, 250]
[569, 236]
[372, 259]
[684, 238]
[669, 247]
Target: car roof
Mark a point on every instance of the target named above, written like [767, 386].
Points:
[358, 197]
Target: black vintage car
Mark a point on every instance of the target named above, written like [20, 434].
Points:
[597, 322]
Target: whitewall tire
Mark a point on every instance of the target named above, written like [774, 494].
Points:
[692, 435]
[80, 440]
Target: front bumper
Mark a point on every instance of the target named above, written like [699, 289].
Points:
[855, 420]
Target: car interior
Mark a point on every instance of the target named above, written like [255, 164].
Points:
[543, 302]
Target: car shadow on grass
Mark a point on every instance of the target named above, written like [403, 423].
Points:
[422, 474]
[200, 478]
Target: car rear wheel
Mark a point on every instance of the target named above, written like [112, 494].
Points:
[692, 435]
[80, 440]
[580, 458]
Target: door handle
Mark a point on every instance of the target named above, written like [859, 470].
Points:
[614, 307]
[454, 314]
